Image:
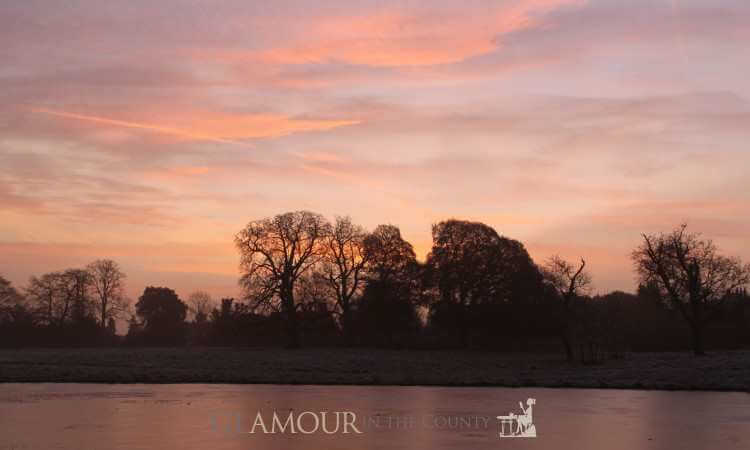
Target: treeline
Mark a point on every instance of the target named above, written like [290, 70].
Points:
[307, 281]
[73, 307]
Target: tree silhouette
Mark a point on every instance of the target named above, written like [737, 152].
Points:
[162, 315]
[691, 275]
[466, 266]
[9, 296]
[274, 253]
[334, 284]
[388, 255]
[76, 287]
[10, 301]
[43, 295]
[343, 266]
[465, 261]
[481, 278]
[200, 305]
[58, 297]
[570, 283]
[386, 314]
[107, 282]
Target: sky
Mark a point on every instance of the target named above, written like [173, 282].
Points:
[152, 132]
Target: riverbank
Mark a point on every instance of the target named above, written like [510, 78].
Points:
[727, 371]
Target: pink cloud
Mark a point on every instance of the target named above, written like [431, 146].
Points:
[397, 37]
[217, 127]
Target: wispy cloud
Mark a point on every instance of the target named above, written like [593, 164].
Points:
[221, 128]
[184, 134]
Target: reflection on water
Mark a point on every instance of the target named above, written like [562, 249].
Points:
[184, 417]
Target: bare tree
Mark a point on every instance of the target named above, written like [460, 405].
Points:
[690, 275]
[570, 282]
[9, 296]
[344, 265]
[200, 305]
[76, 287]
[274, 253]
[43, 295]
[107, 281]
[60, 296]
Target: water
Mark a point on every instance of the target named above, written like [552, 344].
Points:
[185, 417]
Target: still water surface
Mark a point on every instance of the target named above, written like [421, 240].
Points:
[186, 417]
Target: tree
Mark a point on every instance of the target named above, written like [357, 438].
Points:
[76, 287]
[480, 277]
[466, 266]
[107, 282]
[570, 282]
[10, 299]
[388, 255]
[200, 305]
[111, 327]
[466, 262]
[386, 314]
[44, 296]
[690, 275]
[162, 315]
[61, 296]
[9, 296]
[274, 253]
[344, 265]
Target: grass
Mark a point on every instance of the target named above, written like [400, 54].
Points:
[729, 370]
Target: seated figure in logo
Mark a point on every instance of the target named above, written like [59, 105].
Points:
[526, 421]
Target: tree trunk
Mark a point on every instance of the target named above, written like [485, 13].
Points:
[346, 325]
[104, 315]
[290, 313]
[565, 335]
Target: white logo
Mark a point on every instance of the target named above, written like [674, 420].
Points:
[518, 425]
